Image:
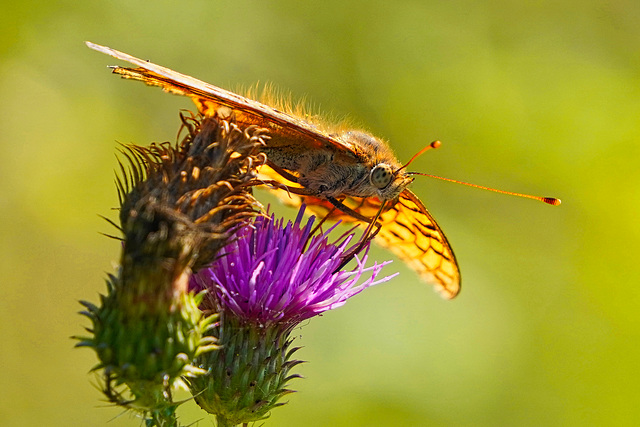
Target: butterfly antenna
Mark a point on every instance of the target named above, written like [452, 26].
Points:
[548, 200]
[434, 144]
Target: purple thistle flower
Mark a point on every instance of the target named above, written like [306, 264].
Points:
[267, 280]
[266, 276]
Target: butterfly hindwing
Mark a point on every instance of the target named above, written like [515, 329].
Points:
[409, 231]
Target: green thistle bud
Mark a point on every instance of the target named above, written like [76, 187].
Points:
[248, 374]
[147, 352]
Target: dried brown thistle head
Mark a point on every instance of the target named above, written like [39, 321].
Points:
[180, 202]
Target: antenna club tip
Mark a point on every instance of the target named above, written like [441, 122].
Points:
[436, 144]
[552, 201]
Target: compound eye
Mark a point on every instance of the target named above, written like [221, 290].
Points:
[381, 175]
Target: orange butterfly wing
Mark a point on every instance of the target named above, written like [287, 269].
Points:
[408, 230]
[212, 100]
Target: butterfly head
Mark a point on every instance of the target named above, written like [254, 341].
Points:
[379, 172]
[389, 181]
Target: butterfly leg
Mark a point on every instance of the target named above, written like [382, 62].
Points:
[370, 232]
[283, 172]
[277, 184]
[346, 209]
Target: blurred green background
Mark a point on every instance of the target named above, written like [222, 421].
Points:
[540, 97]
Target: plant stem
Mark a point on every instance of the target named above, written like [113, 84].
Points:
[224, 422]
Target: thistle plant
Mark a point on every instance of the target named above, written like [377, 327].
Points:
[269, 278]
[209, 287]
[178, 206]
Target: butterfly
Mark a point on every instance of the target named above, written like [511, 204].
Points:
[339, 173]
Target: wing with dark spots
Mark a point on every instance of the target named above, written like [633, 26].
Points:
[410, 232]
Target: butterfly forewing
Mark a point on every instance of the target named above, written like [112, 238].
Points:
[212, 100]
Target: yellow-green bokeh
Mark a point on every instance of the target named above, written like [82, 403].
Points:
[537, 96]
